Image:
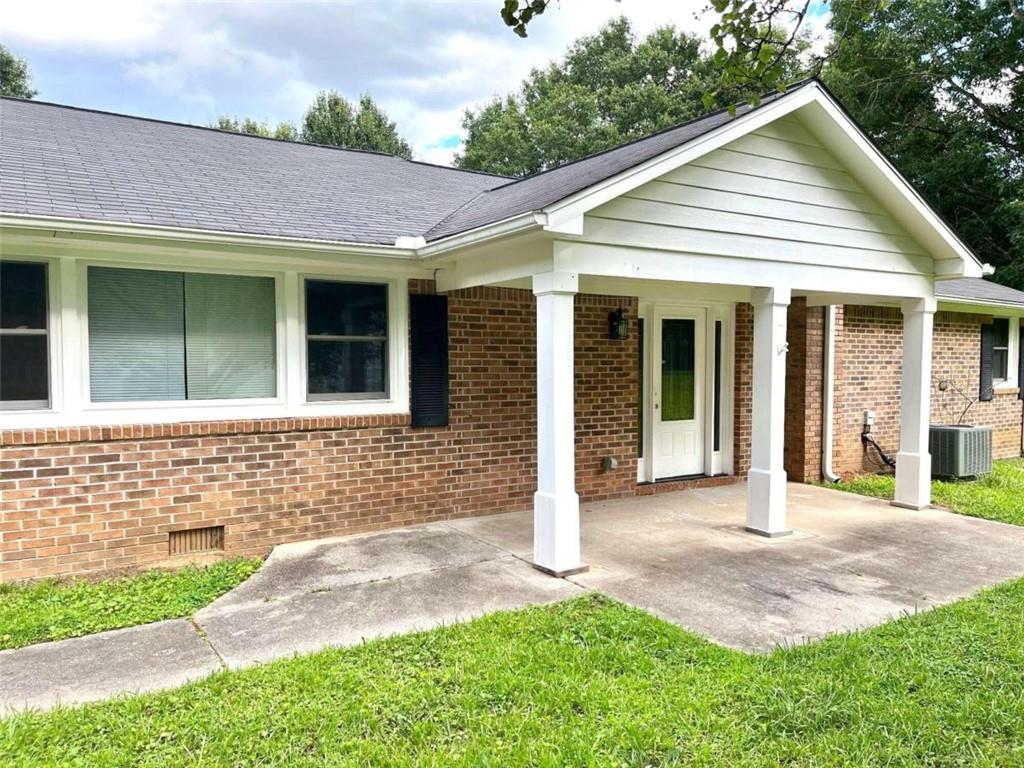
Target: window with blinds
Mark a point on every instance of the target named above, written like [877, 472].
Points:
[24, 336]
[156, 335]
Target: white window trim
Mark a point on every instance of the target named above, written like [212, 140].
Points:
[53, 338]
[70, 404]
[391, 340]
[1012, 355]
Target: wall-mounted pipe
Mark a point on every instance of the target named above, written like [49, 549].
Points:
[829, 385]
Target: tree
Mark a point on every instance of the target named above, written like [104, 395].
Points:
[939, 85]
[333, 120]
[253, 127]
[609, 88]
[754, 42]
[15, 76]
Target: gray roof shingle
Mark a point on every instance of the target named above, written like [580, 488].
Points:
[970, 289]
[535, 192]
[79, 163]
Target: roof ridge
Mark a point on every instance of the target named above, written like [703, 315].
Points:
[213, 129]
[704, 116]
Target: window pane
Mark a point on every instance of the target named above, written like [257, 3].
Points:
[136, 335]
[23, 369]
[347, 367]
[22, 295]
[346, 309]
[1001, 333]
[1000, 364]
[678, 338]
[230, 345]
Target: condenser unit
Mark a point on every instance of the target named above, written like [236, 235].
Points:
[960, 451]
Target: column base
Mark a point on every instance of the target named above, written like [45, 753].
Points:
[766, 502]
[562, 574]
[556, 533]
[767, 535]
[913, 481]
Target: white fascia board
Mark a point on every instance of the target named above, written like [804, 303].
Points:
[68, 227]
[578, 204]
[944, 244]
[947, 249]
[979, 307]
[511, 226]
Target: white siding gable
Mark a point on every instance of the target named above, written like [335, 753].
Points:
[774, 194]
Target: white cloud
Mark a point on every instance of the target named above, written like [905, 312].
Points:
[126, 26]
[424, 62]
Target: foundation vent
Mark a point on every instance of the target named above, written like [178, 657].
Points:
[196, 540]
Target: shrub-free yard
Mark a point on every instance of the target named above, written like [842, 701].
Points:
[998, 496]
[587, 682]
[56, 610]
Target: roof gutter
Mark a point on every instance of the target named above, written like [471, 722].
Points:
[513, 225]
[980, 304]
[70, 227]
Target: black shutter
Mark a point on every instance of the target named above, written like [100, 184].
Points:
[428, 317]
[986, 392]
[1020, 363]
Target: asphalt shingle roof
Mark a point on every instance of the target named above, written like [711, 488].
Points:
[79, 163]
[542, 189]
[67, 162]
[973, 289]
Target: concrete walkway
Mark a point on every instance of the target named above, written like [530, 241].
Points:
[852, 562]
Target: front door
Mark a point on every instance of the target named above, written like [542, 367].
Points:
[678, 389]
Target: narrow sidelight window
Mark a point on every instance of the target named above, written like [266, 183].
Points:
[24, 336]
[346, 340]
[166, 336]
[1000, 349]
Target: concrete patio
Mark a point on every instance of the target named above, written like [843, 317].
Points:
[851, 562]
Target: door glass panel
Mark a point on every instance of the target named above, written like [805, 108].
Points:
[678, 339]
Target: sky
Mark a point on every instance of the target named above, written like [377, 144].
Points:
[424, 62]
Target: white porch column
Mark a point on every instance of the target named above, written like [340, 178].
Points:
[556, 507]
[766, 481]
[913, 462]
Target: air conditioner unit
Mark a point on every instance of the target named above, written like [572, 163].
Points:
[960, 451]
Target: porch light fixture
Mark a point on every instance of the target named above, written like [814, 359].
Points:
[618, 325]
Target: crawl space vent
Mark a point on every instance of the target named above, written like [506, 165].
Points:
[196, 540]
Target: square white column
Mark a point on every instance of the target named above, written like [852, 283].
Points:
[556, 507]
[766, 481]
[913, 461]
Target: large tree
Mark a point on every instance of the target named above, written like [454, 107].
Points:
[15, 76]
[939, 85]
[609, 88]
[333, 120]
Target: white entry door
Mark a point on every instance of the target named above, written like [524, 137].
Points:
[678, 390]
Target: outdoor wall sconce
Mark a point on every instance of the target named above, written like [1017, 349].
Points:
[618, 325]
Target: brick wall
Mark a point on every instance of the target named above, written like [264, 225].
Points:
[804, 380]
[744, 390]
[95, 499]
[868, 378]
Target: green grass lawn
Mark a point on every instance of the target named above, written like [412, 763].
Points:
[998, 496]
[55, 610]
[588, 682]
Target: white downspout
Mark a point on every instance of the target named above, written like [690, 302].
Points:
[829, 386]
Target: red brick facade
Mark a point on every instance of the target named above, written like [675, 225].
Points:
[95, 499]
[868, 363]
[100, 498]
